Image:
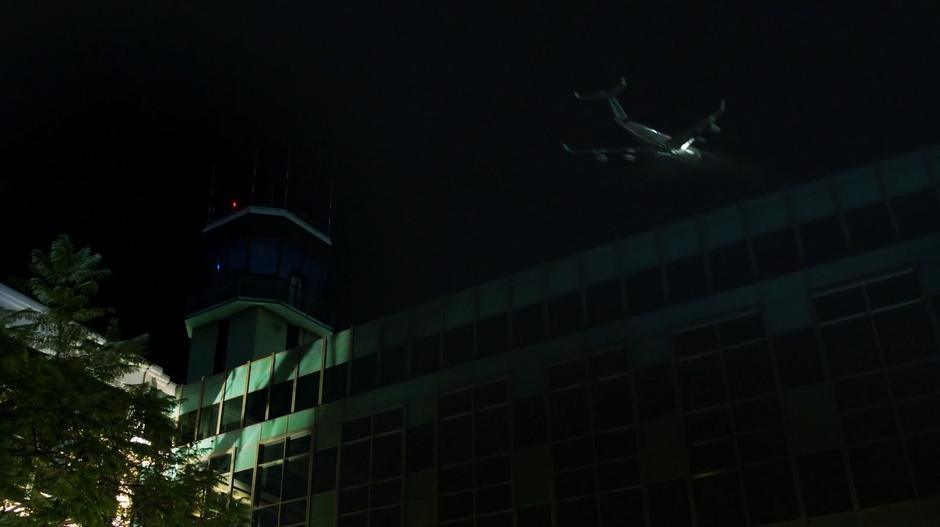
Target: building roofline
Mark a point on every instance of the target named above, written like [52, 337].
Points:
[268, 211]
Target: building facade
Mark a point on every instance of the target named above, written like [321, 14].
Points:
[772, 362]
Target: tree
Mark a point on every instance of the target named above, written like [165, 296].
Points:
[74, 447]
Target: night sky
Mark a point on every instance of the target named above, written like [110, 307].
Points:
[439, 125]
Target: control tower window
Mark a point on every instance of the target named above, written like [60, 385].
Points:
[237, 255]
[263, 256]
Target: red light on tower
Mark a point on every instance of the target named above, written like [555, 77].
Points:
[234, 204]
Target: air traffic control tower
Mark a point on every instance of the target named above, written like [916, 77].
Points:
[263, 288]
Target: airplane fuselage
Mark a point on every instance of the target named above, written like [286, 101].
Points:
[661, 143]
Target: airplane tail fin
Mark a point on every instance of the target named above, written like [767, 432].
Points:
[609, 93]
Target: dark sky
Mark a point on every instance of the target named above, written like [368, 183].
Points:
[439, 123]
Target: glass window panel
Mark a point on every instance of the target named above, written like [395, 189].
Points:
[455, 403]
[575, 483]
[241, 485]
[529, 421]
[850, 346]
[710, 424]
[324, 470]
[603, 302]
[456, 478]
[622, 508]
[718, 501]
[572, 454]
[644, 290]
[354, 500]
[493, 470]
[859, 392]
[268, 485]
[823, 483]
[281, 395]
[491, 431]
[914, 380]
[294, 513]
[387, 421]
[608, 363]
[535, 516]
[776, 253]
[565, 314]
[798, 360]
[839, 304]
[614, 475]
[567, 374]
[760, 446]
[749, 371]
[255, 407]
[335, 382]
[612, 403]
[492, 335]
[712, 456]
[455, 506]
[390, 517]
[528, 325]
[492, 499]
[353, 520]
[925, 462]
[354, 464]
[455, 440]
[741, 329]
[271, 452]
[880, 473]
[266, 517]
[694, 341]
[701, 382]
[394, 365]
[386, 456]
[867, 424]
[425, 355]
[570, 413]
[756, 414]
[770, 493]
[298, 445]
[905, 333]
[308, 391]
[893, 290]
[490, 394]
[357, 428]
[221, 464]
[187, 427]
[231, 414]
[823, 240]
[669, 504]
[870, 226]
[364, 374]
[420, 447]
[386, 493]
[296, 476]
[731, 266]
[654, 392]
[920, 414]
[208, 421]
[263, 258]
[458, 345]
[917, 213]
[577, 513]
[686, 278]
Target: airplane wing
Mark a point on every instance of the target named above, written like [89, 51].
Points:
[602, 154]
[698, 129]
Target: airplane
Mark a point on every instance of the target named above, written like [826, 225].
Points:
[653, 141]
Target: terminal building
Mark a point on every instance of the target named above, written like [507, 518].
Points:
[771, 362]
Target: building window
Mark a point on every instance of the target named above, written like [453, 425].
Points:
[282, 482]
[604, 302]
[458, 345]
[281, 396]
[425, 355]
[776, 253]
[474, 428]
[565, 314]
[231, 414]
[644, 291]
[528, 325]
[824, 483]
[686, 278]
[208, 421]
[917, 213]
[393, 365]
[335, 382]
[593, 439]
[870, 226]
[365, 372]
[823, 240]
[731, 266]
[308, 391]
[492, 335]
[370, 471]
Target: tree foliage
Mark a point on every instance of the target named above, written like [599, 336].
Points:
[76, 449]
